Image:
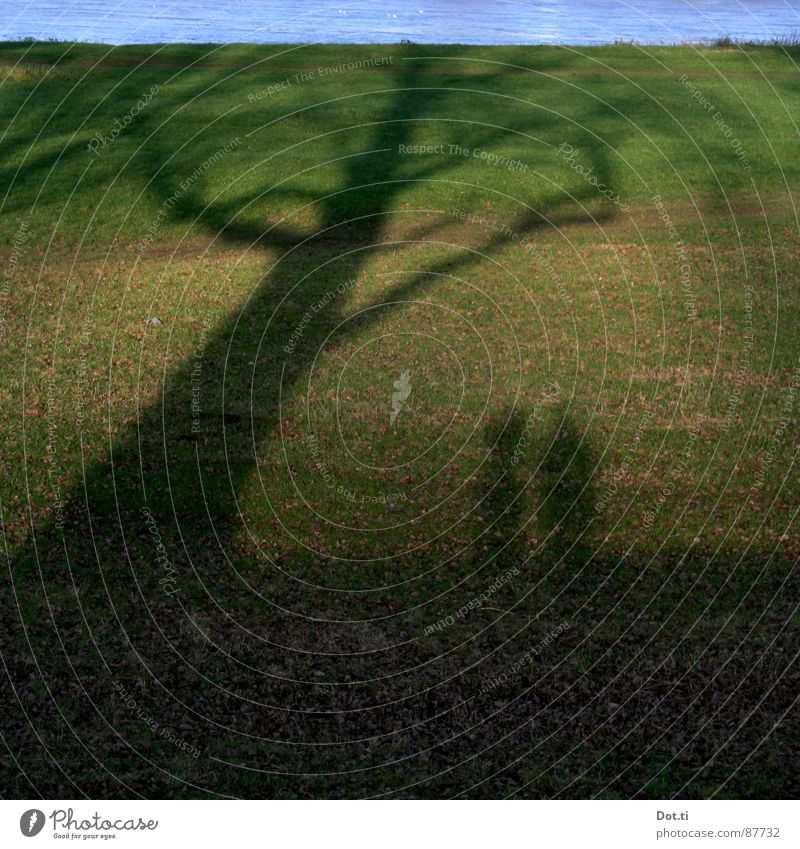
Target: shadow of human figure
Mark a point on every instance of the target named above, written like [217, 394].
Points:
[566, 495]
[503, 506]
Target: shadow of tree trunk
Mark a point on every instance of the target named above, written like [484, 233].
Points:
[149, 545]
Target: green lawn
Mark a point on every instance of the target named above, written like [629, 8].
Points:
[460, 459]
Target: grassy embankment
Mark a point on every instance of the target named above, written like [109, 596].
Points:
[287, 630]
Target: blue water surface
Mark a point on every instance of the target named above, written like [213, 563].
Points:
[431, 21]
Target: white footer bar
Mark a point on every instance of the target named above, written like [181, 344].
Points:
[402, 824]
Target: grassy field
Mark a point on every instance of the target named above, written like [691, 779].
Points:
[399, 421]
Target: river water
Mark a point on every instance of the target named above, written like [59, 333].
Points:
[431, 21]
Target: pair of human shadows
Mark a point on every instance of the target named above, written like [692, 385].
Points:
[537, 484]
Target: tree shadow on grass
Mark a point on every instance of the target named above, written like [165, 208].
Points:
[150, 536]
